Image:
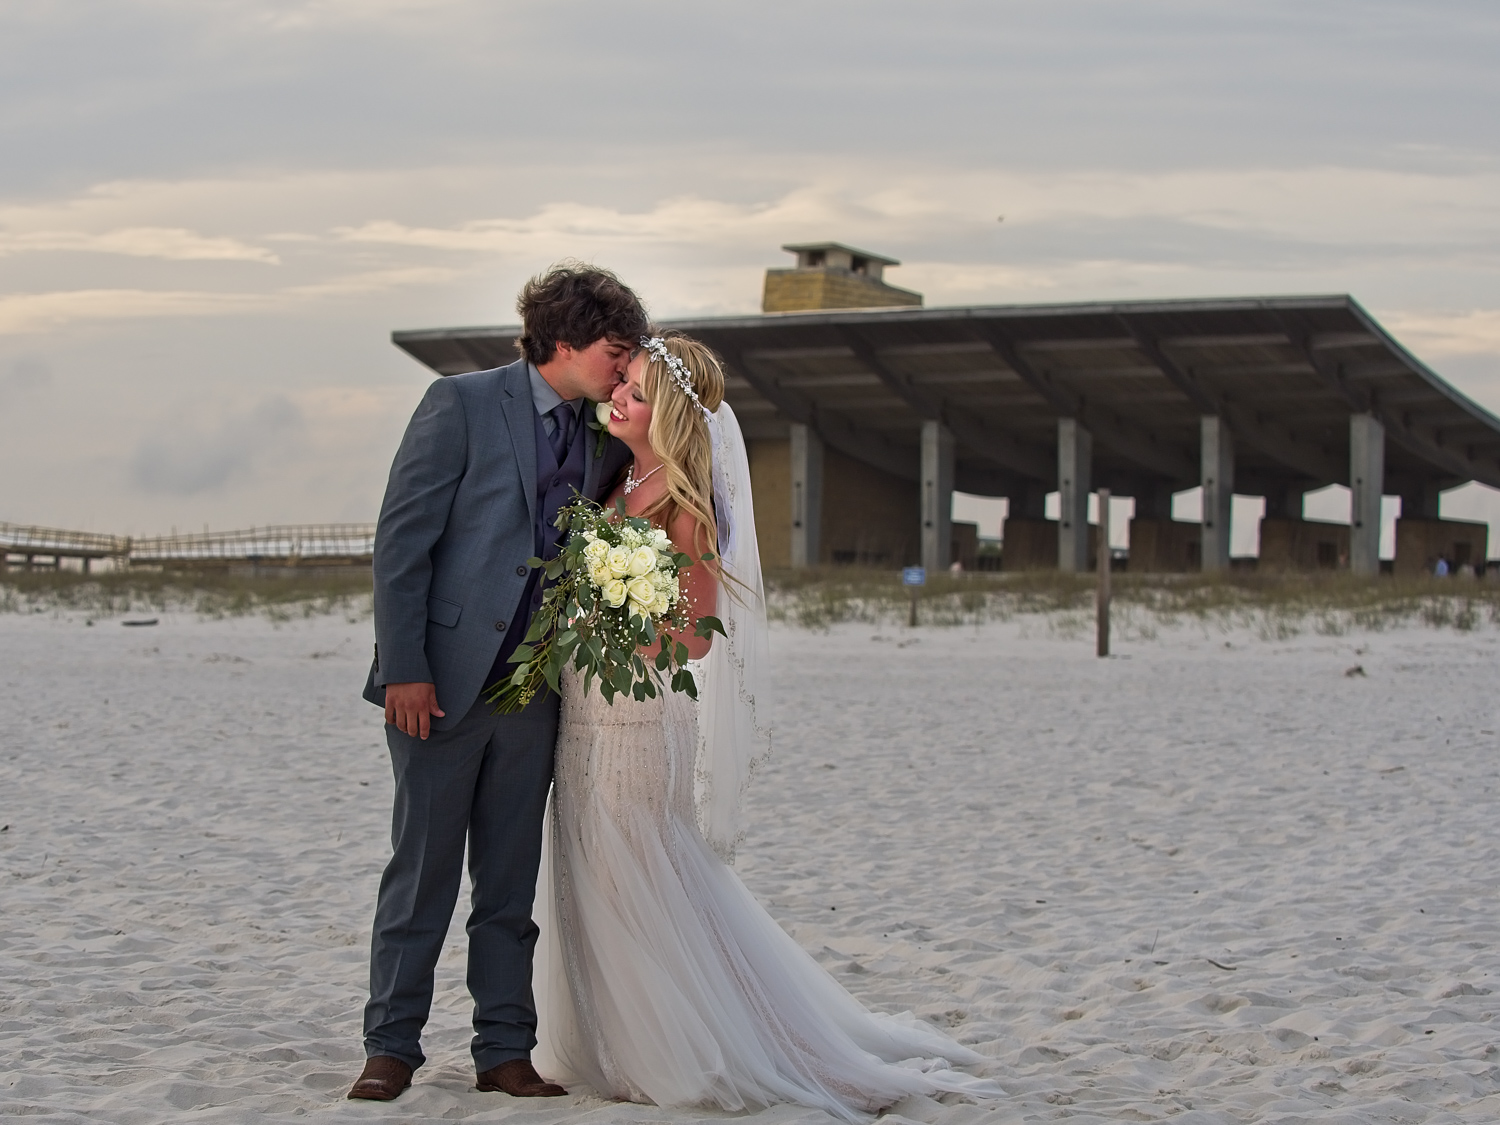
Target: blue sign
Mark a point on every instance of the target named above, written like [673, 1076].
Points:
[913, 576]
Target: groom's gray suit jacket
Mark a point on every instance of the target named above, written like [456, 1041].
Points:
[455, 531]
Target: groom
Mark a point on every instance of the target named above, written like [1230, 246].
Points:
[487, 460]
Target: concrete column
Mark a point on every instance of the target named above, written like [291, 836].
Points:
[1216, 446]
[937, 496]
[1367, 483]
[1075, 464]
[807, 496]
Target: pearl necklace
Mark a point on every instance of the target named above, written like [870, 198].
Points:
[631, 483]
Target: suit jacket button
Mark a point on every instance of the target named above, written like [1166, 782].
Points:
[499, 626]
[521, 570]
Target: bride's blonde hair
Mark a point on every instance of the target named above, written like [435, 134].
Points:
[679, 435]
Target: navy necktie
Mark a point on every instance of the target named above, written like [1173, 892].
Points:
[562, 434]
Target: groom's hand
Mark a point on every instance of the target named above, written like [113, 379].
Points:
[410, 707]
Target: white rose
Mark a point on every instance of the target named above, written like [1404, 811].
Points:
[613, 593]
[618, 561]
[597, 548]
[641, 590]
[659, 539]
[601, 412]
[642, 561]
[599, 575]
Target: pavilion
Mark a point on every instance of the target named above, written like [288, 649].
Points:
[865, 413]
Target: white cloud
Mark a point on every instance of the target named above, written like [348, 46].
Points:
[1319, 206]
[43, 312]
[373, 281]
[1442, 334]
[675, 221]
[22, 313]
[170, 243]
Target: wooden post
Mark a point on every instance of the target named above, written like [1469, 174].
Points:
[911, 578]
[1101, 594]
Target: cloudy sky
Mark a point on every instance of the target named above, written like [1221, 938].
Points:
[213, 215]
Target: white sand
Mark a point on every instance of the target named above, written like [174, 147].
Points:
[1043, 851]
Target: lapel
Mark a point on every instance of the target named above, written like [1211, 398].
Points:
[520, 419]
[596, 452]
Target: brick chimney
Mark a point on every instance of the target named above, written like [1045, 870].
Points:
[830, 275]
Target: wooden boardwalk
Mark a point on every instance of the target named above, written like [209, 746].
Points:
[279, 545]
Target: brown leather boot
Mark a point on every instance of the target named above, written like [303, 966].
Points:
[382, 1080]
[519, 1079]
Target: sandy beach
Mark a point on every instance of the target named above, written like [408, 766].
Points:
[1213, 879]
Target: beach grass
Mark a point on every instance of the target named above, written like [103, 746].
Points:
[1271, 605]
[286, 594]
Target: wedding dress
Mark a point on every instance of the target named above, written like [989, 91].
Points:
[659, 977]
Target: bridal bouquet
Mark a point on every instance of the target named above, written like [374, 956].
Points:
[611, 592]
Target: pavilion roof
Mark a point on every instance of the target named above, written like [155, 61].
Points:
[1284, 372]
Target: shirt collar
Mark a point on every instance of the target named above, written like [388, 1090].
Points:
[543, 396]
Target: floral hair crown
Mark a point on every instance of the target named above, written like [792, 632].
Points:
[680, 374]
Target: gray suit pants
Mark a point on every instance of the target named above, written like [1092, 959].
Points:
[484, 781]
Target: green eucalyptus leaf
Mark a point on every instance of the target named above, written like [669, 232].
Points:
[708, 625]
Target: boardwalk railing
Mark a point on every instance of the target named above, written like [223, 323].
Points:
[22, 539]
[273, 545]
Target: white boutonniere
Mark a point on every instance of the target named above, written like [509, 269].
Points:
[599, 423]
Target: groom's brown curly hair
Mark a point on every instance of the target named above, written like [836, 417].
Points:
[575, 303]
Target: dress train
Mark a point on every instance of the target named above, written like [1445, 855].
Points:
[659, 977]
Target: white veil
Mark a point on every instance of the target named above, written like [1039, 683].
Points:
[732, 739]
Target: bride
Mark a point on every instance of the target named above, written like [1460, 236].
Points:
[659, 978]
